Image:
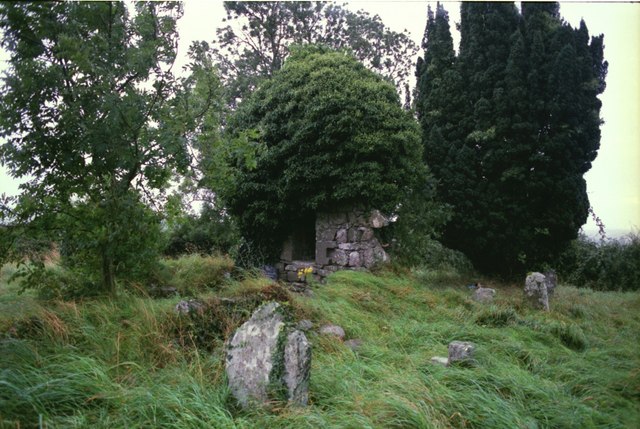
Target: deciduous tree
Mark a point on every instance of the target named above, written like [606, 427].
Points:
[94, 120]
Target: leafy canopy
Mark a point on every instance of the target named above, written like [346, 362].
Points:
[259, 41]
[331, 134]
[95, 120]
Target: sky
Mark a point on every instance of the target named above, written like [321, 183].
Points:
[613, 184]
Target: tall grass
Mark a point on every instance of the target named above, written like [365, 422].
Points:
[127, 363]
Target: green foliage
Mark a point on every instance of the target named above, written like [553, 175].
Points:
[193, 274]
[94, 119]
[608, 265]
[212, 231]
[332, 134]
[270, 28]
[510, 126]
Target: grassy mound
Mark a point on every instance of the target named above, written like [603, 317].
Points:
[134, 362]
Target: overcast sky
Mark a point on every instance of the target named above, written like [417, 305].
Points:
[614, 181]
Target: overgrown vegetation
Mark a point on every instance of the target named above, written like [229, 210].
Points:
[612, 264]
[134, 362]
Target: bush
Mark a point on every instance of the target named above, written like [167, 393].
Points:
[210, 232]
[54, 281]
[612, 265]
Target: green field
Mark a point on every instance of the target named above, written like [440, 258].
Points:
[132, 362]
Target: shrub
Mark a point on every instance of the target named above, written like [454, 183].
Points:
[210, 232]
[611, 265]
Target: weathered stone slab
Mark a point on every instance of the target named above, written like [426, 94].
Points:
[265, 356]
[551, 280]
[535, 291]
[297, 366]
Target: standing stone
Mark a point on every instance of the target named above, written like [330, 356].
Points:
[297, 365]
[535, 291]
[484, 295]
[265, 355]
[461, 351]
[551, 280]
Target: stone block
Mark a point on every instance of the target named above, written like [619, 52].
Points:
[323, 248]
[346, 246]
[341, 236]
[339, 257]
[292, 276]
[366, 234]
[355, 260]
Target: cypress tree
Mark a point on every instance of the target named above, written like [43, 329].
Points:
[521, 130]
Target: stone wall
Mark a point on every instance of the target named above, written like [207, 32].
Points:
[344, 241]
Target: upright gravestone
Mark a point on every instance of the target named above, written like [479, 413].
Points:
[535, 291]
[267, 357]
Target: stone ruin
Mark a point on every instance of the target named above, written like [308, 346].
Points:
[341, 240]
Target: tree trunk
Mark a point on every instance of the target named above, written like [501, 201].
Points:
[108, 277]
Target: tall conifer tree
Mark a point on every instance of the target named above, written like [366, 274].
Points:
[521, 130]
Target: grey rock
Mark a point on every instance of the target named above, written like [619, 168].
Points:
[256, 361]
[305, 325]
[354, 344]
[297, 367]
[535, 291]
[461, 351]
[369, 258]
[186, 307]
[551, 280]
[334, 330]
[341, 236]
[439, 360]
[366, 234]
[354, 259]
[377, 220]
[484, 295]
[339, 257]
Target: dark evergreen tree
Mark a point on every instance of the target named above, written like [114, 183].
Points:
[524, 131]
